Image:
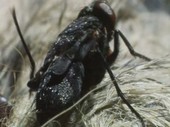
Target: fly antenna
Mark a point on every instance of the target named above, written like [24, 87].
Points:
[32, 62]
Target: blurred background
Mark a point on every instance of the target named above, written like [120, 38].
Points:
[145, 23]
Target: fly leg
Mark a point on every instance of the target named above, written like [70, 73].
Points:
[130, 48]
[119, 92]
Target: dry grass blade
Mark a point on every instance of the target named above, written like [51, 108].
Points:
[146, 85]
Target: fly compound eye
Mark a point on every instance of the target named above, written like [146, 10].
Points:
[105, 13]
[108, 11]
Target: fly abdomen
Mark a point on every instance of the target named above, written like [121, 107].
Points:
[54, 97]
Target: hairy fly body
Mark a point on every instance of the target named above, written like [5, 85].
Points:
[77, 60]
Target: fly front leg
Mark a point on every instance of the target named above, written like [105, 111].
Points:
[111, 57]
[130, 48]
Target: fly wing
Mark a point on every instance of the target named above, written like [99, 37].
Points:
[74, 32]
[78, 32]
[60, 65]
[76, 53]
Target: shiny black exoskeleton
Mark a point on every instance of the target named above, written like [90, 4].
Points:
[73, 64]
[77, 60]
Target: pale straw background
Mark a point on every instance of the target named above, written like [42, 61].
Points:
[146, 85]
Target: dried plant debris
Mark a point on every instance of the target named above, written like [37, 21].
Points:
[146, 85]
[5, 109]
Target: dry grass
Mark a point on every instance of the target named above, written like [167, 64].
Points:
[145, 84]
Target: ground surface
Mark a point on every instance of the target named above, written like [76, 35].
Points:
[146, 84]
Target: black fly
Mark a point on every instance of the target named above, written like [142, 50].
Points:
[77, 60]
